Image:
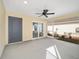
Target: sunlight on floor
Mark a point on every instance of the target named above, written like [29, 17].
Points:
[52, 53]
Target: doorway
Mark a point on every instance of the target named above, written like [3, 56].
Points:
[37, 30]
[14, 29]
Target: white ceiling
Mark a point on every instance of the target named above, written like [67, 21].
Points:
[60, 7]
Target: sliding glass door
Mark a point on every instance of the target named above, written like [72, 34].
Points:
[37, 30]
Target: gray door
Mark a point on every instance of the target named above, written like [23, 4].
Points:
[14, 29]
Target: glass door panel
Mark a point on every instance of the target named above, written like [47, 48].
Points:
[35, 30]
[40, 29]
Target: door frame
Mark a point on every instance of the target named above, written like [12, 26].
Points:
[38, 32]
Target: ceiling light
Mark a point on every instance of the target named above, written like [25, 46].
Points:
[25, 2]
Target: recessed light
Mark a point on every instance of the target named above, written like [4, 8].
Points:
[25, 2]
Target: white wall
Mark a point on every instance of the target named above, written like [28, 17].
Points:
[27, 24]
[2, 26]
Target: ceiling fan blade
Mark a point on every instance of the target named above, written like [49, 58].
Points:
[46, 16]
[38, 13]
[50, 13]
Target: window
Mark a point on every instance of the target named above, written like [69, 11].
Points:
[50, 29]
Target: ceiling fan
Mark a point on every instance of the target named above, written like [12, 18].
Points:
[45, 13]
